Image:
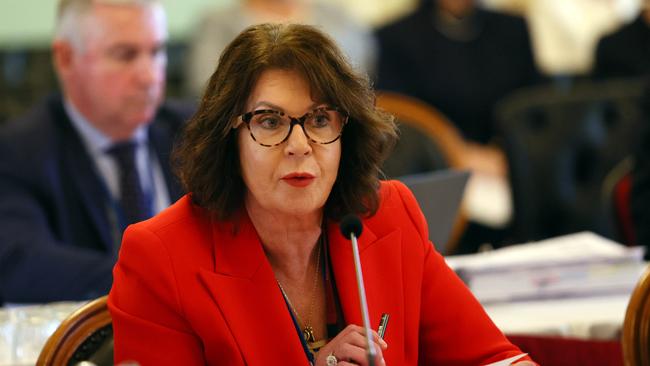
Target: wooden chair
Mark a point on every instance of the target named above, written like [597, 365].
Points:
[85, 335]
[424, 117]
[636, 327]
[428, 141]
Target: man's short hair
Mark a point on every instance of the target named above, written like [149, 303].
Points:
[71, 13]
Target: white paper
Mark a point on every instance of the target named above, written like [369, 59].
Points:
[571, 266]
[509, 361]
[574, 248]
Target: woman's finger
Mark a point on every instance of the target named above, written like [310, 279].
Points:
[379, 340]
[350, 347]
[358, 337]
[357, 354]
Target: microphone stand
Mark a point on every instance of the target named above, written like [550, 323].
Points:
[372, 353]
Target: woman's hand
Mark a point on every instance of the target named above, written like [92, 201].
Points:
[349, 348]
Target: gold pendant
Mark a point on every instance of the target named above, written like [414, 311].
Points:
[308, 333]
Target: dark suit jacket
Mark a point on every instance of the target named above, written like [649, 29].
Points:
[58, 231]
[463, 79]
[625, 52]
[207, 295]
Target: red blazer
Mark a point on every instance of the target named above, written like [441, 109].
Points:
[191, 291]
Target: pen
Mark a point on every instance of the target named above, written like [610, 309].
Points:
[383, 323]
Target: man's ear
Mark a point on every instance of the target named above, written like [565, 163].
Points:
[62, 56]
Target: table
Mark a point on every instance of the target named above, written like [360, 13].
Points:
[558, 332]
[576, 318]
[560, 351]
[577, 331]
[593, 318]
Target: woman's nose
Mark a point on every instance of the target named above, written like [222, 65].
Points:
[298, 142]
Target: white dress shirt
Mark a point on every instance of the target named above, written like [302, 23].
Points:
[148, 166]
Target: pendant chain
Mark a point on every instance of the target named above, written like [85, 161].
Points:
[308, 330]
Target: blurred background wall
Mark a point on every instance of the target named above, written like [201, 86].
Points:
[30, 22]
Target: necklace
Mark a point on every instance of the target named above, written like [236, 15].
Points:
[308, 330]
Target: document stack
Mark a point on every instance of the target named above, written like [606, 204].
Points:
[576, 265]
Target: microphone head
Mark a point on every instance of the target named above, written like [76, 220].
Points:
[351, 224]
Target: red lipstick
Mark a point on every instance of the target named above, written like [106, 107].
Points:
[298, 179]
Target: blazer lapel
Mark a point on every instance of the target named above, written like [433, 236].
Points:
[244, 288]
[381, 263]
[81, 169]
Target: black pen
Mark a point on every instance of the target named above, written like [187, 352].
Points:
[383, 323]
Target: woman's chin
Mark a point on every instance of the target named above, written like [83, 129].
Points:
[296, 207]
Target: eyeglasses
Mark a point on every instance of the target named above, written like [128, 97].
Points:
[269, 127]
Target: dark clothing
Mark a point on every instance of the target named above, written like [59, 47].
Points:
[462, 78]
[59, 231]
[625, 52]
[640, 197]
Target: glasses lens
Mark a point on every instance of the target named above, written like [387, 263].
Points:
[324, 125]
[269, 127]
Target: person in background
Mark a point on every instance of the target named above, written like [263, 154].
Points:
[81, 166]
[219, 26]
[250, 268]
[640, 192]
[564, 33]
[461, 59]
[626, 52]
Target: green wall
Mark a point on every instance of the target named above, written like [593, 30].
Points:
[30, 22]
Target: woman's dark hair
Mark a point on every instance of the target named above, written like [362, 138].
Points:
[207, 156]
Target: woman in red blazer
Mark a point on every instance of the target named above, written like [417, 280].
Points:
[250, 267]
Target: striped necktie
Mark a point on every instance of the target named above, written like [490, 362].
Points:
[135, 203]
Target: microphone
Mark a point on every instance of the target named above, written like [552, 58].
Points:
[351, 228]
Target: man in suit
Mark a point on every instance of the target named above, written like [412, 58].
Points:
[80, 167]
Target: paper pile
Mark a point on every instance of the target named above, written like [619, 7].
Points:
[576, 265]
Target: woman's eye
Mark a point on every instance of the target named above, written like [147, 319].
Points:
[269, 122]
[320, 120]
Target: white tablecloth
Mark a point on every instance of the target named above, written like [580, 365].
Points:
[587, 318]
